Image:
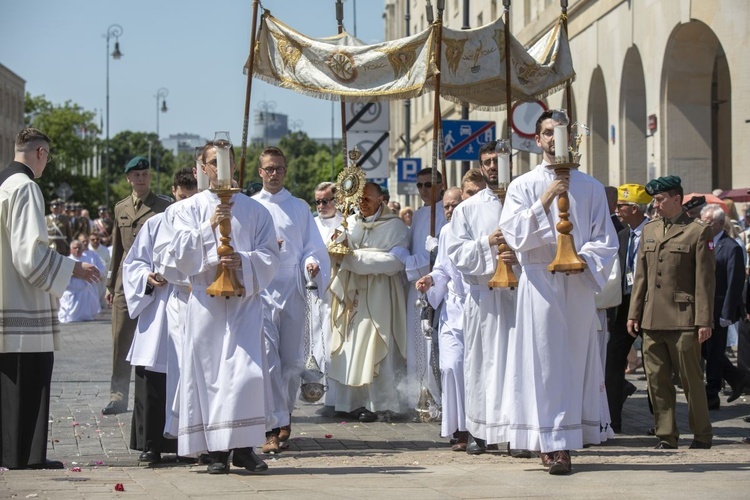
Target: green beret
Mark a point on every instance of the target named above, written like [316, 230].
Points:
[137, 163]
[662, 184]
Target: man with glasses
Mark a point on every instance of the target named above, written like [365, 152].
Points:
[32, 276]
[632, 202]
[552, 395]
[417, 263]
[672, 301]
[130, 214]
[302, 254]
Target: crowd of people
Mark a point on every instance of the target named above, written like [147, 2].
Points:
[405, 320]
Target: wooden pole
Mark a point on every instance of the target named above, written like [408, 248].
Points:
[436, 120]
[245, 122]
[568, 91]
[340, 21]
[508, 97]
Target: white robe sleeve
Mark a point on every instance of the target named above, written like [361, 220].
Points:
[260, 264]
[315, 251]
[600, 249]
[136, 267]
[41, 266]
[439, 274]
[472, 256]
[193, 245]
[525, 225]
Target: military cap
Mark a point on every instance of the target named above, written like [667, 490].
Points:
[137, 163]
[662, 184]
[56, 202]
[102, 208]
[695, 202]
[253, 188]
[633, 193]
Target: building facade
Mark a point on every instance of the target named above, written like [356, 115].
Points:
[12, 96]
[663, 85]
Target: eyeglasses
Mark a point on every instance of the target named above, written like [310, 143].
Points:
[323, 202]
[420, 185]
[49, 156]
[489, 161]
[273, 170]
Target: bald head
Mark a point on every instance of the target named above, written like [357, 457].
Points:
[451, 199]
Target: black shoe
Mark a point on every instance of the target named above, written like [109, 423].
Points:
[663, 445]
[476, 446]
[739, 390]
[150, 457]
[522, 453]
[616, 428]
[218, 463]
[115, 407]
[366, 415]
[204, 459]
[48, 464]
[247, 459]
[628, 390]
[745, 440]
[714, 403]
[700, 445]
[651, 431]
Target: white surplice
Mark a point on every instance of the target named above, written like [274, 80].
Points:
[449, 289]
[80, 300]
[368, 315]
[222, 396]
[418, 265]
[554, 369]
[321, 312]
[489, 314]
[285, 297]
[150, 340]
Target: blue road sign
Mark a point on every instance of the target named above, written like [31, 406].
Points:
[463, 138]
[382, 182]
[407, 168]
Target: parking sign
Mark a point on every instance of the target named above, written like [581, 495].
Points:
[406, 174]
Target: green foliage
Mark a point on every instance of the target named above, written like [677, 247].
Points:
[73, 133]
[308, 164]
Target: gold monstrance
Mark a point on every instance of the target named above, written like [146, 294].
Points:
[567, 258]
[349, 187]
[226, 283]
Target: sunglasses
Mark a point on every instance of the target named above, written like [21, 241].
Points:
[323, 202]
[420, 185]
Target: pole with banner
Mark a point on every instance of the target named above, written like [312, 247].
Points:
[248, 91]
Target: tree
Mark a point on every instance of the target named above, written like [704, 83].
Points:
[73, 134]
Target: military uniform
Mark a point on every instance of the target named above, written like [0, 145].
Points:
[128, 221]
[673, 296]
[59, 233]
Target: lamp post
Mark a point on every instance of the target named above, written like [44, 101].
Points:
[162, 94]
[114, 30]
[266, 113]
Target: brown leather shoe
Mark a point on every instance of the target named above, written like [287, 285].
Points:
[561, 463]
[462, 439]
[284, 433]
[547, 459]
[272, 444]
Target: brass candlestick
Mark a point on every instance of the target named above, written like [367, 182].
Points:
[566, 258]
[504, 276]
[226, 283]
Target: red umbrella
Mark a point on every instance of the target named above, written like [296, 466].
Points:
[709, 199]
[738, 195]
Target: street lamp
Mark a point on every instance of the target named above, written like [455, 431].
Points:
[267, 114]
[296, 125]
[114, 30]
[162, 94]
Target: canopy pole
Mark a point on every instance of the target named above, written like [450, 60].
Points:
[568, 90]
[436, 120]
[340, 21]
[245, 121]
[508, 97]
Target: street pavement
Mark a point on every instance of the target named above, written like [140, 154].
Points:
[333, 457]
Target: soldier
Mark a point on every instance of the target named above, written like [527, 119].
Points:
[130, 214]
[58, 228]
[672, 301]
[82, 225]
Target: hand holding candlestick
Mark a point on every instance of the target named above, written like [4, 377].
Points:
[504, 276]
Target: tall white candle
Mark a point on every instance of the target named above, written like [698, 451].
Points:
[561, 143]
[503, 168]
[222, 167]
[201, 176]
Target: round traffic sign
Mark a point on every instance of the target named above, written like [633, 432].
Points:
[523, 117]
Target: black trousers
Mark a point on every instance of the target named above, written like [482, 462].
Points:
[149, 413]
[618, 349]
[24, 407]
[718, 366]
